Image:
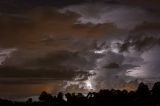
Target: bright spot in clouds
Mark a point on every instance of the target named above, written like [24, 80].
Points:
[88, 84]
[100, 51]
[137, 72]
[5, 53]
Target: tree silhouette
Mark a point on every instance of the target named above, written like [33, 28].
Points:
[141, 97]
[156, 91]
[29, 101]
[143, 90]
[45, 97]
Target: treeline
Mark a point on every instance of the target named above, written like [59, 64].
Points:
[141, 97]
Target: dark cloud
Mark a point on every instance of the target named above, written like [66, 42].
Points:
[53, 68]
[48, 60]
[58, 73]
[58, 65]
[45, 43]
[140, 42]
[112, 65]
[42, 28]
[19, 6]
[146, 26]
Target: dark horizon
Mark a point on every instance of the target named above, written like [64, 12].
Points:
[142, 96]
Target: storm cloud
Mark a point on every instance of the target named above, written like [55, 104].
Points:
[77, 45]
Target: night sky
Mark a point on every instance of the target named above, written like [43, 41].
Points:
[77, 45]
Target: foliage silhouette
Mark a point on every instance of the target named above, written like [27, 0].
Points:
[141, 97]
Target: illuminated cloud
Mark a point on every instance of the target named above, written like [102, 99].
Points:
[5, 53]
[78, 45]
[124, 17]
[140, 42]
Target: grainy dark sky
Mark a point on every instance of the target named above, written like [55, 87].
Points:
[77, 45]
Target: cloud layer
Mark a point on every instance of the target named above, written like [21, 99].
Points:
[77, 45]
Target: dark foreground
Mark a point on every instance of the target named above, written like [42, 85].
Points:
[141, 97]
